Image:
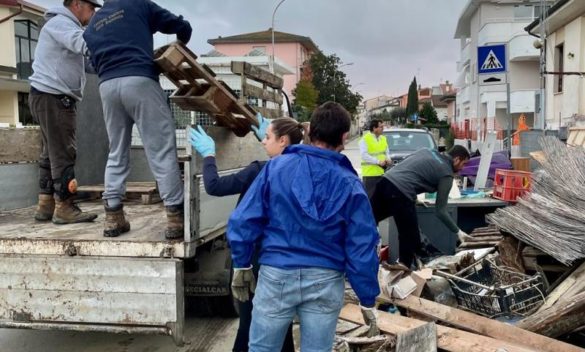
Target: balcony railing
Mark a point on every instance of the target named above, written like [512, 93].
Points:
[521, 48]
[500, 32]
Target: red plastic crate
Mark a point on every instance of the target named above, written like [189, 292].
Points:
[511, 184]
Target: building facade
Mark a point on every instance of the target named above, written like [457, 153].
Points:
[19, 33]
[564, 44]
[482, 99]
[293, 50]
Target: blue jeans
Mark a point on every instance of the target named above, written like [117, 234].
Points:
[314, 294]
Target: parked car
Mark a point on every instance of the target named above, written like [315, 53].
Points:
[404, 141]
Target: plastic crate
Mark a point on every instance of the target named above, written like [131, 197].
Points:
[511, 184]
[487, 289]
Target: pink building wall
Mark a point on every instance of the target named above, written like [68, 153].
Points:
[292, 54]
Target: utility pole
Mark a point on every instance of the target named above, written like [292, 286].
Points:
[272, 29]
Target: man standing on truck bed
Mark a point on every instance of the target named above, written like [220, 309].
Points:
[56, 86]
[120, 42]
[310, 216]
[395, 195]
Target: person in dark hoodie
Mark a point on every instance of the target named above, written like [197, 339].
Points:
[57, 85]
[309, 214]
[275, 136]
[120, 42]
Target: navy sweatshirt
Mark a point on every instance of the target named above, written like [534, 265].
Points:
[229, 184]
[119, 37]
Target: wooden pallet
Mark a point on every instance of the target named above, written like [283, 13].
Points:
[199, 90]
[576, 136]
[146, 191]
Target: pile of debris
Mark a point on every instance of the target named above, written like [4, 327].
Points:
[516, 285]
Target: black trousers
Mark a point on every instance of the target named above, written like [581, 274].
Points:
[387, 201]
[56, 115]
[370, 183]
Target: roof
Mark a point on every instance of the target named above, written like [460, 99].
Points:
[438, 102]
[265, 37]
[464, 23]
[449, 97]
[24, 4]
[556, 8]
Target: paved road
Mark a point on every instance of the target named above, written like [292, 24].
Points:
[203, 334]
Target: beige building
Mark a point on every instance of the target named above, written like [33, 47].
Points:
[19, 33]
[564, 40]
[482, 102]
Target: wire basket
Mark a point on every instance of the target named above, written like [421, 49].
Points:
[487, 289]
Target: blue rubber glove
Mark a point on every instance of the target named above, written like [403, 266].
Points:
[260, 132]
[202, 143]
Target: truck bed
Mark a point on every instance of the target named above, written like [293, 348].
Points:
[21, 234]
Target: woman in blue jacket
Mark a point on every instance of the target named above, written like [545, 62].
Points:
[276, 136]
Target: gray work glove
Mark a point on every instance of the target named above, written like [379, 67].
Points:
[462, 236]
[371, 319]
[243, 283]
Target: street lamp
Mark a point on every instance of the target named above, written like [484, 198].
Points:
[335, 74]
[272, 29]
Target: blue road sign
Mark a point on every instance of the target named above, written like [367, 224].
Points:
[491, 59]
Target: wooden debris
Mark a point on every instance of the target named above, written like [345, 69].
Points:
[550, 217]
[198, 90]
[448, 339]
[421, 338]
[561, 318]
[510, 250]
[484, 326]
[569, 287]
[147, 192]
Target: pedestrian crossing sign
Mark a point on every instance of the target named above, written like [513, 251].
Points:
[491, 59]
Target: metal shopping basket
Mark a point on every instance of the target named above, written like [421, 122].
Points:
[490, 290]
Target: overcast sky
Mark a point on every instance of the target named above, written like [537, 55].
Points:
[389, 41]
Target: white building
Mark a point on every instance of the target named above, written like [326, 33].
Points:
[482, 105]
[19, 34]
[564, 38]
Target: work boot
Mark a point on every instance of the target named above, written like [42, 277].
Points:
[45, 208]
[66, 212]
[116, 223]
[175, 220]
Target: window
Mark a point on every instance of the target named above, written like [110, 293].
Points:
[24, 114]
[559, 67]
[523, 12]
[261, 49]
[26, 35]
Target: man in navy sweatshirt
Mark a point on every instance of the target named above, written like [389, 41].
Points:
[119, 38]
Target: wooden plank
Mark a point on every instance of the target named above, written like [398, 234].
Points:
[475, 323]
[257, 74]
[576, 278]
[448, 339]
[419, 339]
[269, 113]
[559, 319]
[257, 92]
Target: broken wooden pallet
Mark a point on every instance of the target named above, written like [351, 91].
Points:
[198, 90]
[146, 191]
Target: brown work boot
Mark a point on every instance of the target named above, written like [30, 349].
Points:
[116, 223]
[175, 216]
[45, 208]
[68, 213]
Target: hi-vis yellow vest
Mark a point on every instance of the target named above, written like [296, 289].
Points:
[377, 149]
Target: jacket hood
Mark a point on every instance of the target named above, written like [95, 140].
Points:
[61, 10]
[321, 181]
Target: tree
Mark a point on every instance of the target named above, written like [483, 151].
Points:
[398, 115]
[412, 104]
[330, 82]
[305, 99]
[428, 113]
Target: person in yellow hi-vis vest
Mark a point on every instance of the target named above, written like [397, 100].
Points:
[375, 155]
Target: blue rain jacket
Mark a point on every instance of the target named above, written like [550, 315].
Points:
[307, 208]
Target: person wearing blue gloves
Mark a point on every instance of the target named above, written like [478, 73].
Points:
[275, 135]
[309, 213]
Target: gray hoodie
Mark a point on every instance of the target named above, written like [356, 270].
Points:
[59, 65]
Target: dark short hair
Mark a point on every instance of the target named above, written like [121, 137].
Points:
[374, 123]
[328, 124]
[458, 151]
[285, 126]
[67, 3]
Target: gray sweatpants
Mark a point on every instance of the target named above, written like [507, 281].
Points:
[141, 101]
